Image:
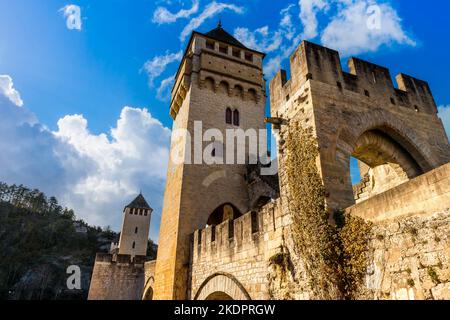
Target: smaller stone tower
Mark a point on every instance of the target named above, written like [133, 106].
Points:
[120, 274]
[135, 227]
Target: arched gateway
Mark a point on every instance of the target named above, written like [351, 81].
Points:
[221, 286]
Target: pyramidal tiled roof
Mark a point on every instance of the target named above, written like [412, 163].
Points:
[220, 34]
[139, 203]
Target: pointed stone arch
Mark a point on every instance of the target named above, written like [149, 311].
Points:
[148, 289]
[220, 285]
[226, 211]
[374, 131]
[396, 129]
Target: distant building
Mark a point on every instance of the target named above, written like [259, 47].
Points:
[120, 274]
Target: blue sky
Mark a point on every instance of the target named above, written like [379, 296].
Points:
[88, 106]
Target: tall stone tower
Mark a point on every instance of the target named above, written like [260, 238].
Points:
[135, 227]
[219, 85]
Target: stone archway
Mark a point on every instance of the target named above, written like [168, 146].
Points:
[365, 133]
[221, 286]
[383, 163]
[226, 211]
[148, 289]
[219, 295]
[377, 120]
[148, 294]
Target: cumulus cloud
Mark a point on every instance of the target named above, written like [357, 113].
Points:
[133, 157]
[95, 174]
[156, 66]
[7, 89]
[444, 114]
[163, 15]
[72, 13]
[369, 25]
[210, 11]
[29, 152]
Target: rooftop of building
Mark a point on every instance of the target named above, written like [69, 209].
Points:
[139, 203]
[221, 35]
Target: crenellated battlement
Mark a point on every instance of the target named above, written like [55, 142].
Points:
[250, 231]
[120, 259]
[117, 277]
[317, 63]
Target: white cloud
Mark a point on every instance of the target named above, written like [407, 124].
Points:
[273, 65]
[263, 40]
[134, 157]
[95, 174]
[349, 26]
[163, 15]
[156, 66]
[350, 31]
[164, 91]
[308, 16]
[7, 89]
[286, 23]
[260, 39]
[72, 13]
[210, 11]
[444, 114]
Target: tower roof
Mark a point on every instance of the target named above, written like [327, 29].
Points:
[221, 35]
[139, 203]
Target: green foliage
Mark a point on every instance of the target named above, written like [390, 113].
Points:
[38, 241]
[335, 257]
[152, 249]
[352, 238]
[433, 275]
[314, 238]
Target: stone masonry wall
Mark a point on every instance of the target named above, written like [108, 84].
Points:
[213, 81]
[241, 248]
[117, 277]
[409, 251]
[410, 259]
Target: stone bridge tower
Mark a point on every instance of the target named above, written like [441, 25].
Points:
[219, 85]
[394, 132]
[135, 227]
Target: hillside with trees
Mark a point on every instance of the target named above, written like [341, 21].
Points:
[39, 240]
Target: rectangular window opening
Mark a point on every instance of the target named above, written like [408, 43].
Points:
[213, 233]
[255, 227]
[210, 45]
[223, 49]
